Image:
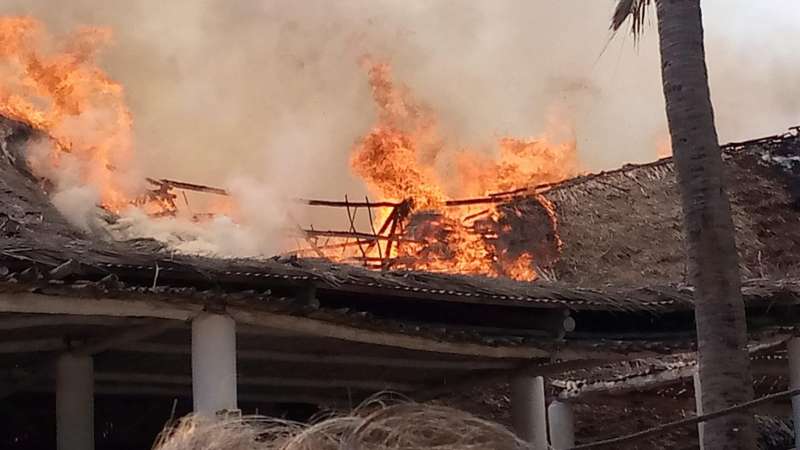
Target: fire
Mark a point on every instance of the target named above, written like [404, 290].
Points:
[398, 160]
[521, 268]
[519, 163]
[56, 87]
[388, 157]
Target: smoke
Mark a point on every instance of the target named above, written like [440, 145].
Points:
[261, 225]
[219, 236]
[78, 204]
[76, 201]
[271, 92]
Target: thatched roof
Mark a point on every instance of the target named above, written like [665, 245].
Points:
[643, 393]
[620, 277]
[624, 226]
[768, 363]
[602, 244]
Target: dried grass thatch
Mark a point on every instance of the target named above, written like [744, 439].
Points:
[373, 426]
[624, 227]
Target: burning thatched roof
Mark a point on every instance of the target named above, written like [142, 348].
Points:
[501, 324]
[39, 246]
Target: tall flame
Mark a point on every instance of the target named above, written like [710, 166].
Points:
[388, 157]
[519, 163]
[56, 87]
[398, 161]
[398, 157]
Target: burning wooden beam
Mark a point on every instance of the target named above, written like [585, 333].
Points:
[352, 218]
[345, 204]
[493, 198]
[481, 200]
[356, 235]
[323, 247]
[188, 186]
[374, 232]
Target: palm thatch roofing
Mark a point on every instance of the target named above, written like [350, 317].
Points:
[620, 275]
[768, 360]
[624, 226]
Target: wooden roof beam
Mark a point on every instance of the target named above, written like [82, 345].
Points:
[11, 322]
[33, 345]
[328, 358]
[24, 302]
[59, 344]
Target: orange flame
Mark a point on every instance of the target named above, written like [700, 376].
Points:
[519, 163]
[388, 156]
[57, 88]
[398, 161]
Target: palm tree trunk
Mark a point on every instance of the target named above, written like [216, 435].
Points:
[713, 261]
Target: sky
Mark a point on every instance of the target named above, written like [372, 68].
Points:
[753, 52]
[272, 90]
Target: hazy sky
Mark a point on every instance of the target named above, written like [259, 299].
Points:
[272, 89]
[753, 51]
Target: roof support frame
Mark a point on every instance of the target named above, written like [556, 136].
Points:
[24, 302]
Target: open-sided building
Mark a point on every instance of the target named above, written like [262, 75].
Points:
[109, 339]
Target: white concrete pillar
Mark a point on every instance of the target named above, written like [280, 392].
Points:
[75, 402]
[528, 410]
[213, 364]
[793, 348]
[698, 406]
[562, 425]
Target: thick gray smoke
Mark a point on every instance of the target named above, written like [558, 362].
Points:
[271, 90]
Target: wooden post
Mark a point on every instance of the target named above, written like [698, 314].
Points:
[562, 425]
[528, 410]
[75, 402]
[213, 364]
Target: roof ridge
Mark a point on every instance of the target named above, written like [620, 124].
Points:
[731, 147]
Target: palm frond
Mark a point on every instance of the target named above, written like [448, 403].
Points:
[636, 10]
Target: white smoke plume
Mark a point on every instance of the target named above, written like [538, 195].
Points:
[78, 204]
